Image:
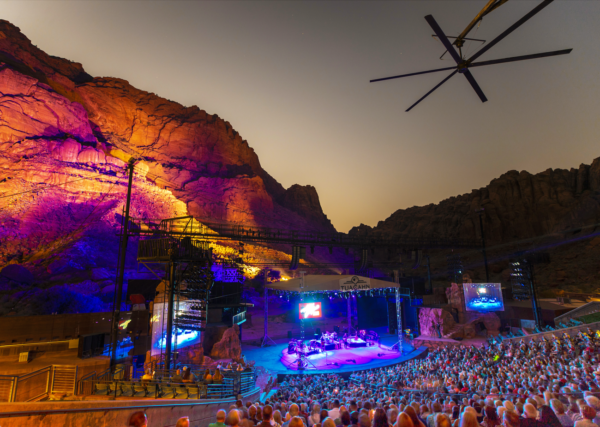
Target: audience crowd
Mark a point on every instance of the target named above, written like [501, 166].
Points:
[549, 383]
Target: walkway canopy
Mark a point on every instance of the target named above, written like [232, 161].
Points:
[332, 283]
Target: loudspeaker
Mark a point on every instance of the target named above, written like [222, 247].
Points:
[318, 332]
[289, 335]
[298, 253]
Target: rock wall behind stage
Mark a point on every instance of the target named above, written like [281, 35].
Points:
[483, 324]
[64, 139]
[557, 210]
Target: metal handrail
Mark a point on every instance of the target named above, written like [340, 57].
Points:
[91, 375]
[104, 409]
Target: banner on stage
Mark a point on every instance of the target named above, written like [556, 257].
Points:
[355, 283]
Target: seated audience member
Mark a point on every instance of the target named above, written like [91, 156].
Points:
[345, 419]
[207, 377]
[511, 419]
[559, 409]
[530, 415]
[442, 420]
[491, 417]
[267, 415]
[177, 377]
[147, 377]
[233, 418]
[588, 414]
[220, 419]
[138, 419]
[404, 420]
[217, 377]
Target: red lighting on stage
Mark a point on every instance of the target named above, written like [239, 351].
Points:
[310, 310]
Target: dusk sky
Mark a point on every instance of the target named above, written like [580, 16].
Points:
[293, 79]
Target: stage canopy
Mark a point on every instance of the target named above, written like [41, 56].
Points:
[332, 283]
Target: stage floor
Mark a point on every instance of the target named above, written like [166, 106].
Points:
[277, 360]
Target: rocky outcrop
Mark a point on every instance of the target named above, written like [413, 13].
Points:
[304, 200]
[516, 205]
[64, 140]
[229, 347]
[557, 210]
[433, 319]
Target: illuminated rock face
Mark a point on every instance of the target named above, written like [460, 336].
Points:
[64, 141]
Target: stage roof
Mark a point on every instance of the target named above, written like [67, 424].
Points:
[333, 282]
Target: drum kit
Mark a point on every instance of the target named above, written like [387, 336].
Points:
[329, 341]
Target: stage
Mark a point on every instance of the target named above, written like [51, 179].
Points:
[277, 360]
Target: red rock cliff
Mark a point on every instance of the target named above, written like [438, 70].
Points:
[64, 136]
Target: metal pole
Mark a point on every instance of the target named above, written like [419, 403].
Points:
[121, 270]
[302, 273]
[487, 273]
[266, 295]
[399, 318]
[266, 338]
[169, 337]
[350, 314]
[534, 301]
[398, 310]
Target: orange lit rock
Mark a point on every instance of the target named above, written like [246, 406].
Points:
[65, 138]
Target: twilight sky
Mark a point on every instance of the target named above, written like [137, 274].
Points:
[293, 79]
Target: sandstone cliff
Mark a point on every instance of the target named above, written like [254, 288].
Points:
[64, 140]
[555, 210]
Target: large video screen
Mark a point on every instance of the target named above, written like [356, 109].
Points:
[181, 337]
[483, 297]
[310, 310]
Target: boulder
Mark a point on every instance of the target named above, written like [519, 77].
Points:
[17, 273]
[430, 317]
[229, 347]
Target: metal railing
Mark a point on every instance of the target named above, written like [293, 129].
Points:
[589, 308]
[172, 247]
[33, 386]
[231, 385]
[38, 385]
[8, 384]
[188, 226]
[86, 380]
[558, 332]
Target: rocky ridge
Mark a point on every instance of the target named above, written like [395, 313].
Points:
[557, 210]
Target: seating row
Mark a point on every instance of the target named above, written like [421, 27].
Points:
[156, 390]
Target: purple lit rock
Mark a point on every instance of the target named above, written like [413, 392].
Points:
[229, 347]
[17, 273]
